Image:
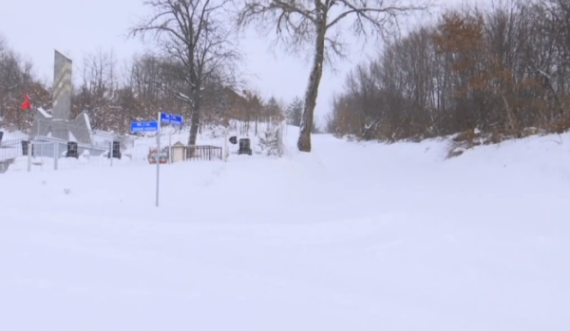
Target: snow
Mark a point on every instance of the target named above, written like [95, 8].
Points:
[350, 237]
[44, 113]
[13, 135]
[87, 120]
[71, 137]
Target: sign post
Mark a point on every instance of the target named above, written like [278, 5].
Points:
[170, 148]
[154, 126]
[158, 158]
[30, 147]
[151, 126]
[173, 120]
[165, 118]
[148, 126]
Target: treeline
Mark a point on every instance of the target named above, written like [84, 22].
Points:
[17, 79]
[115, 98]
[116, 94]
[500, 71]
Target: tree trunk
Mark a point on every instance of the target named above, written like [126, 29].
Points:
[304, 141]
[194, 123]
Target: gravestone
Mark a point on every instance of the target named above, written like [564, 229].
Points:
[116, 152]
[245, 146]
[233, 140]
[25, 147]
[72, 150]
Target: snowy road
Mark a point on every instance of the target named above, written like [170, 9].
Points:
[350, 238]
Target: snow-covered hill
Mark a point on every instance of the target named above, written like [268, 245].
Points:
[350, 237]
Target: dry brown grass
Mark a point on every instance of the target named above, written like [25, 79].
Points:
[560, 125]
[471, 138]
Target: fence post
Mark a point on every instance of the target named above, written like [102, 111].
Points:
[111, 152]
[30, 149]
[55, 155]
[225, 152]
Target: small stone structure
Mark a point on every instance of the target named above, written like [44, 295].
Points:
[178, 152]
[245, 146]
[78, 130]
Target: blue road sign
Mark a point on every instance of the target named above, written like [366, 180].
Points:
[151, 126]
[167, 118]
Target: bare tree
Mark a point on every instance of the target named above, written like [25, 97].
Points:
[98, 91]
[146, 78]
[192, 33]
[318, 24]
[15, 81]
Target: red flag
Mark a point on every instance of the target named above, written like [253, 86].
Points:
[26, 105]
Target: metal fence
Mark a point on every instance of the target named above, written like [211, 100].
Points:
[23, 155]
[9, 151]
[56, 154]
[197, 152]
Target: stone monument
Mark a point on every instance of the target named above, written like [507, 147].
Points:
[58, 124]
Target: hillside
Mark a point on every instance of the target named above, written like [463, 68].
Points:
[351, 237]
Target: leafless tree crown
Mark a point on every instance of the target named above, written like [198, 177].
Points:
[198, 43]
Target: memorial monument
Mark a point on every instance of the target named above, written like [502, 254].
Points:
[58, 124]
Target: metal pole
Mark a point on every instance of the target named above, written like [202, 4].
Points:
[170, 148]
[111, 153]
[42, 159]
[157, 159]
[225, 156]
[55, 154]
[30, 156]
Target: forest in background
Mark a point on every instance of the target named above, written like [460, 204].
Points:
[500, 72]
[497, 73]
[115, 95]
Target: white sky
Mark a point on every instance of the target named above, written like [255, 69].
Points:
[34, 28]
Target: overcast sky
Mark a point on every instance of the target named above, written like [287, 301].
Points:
[34, 28]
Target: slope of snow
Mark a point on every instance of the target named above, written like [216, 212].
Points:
[350, 237]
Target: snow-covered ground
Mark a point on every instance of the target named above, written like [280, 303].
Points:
[350, 237]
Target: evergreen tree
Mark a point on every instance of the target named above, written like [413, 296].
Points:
[269, 142]
[295, 112]
[272, 110]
